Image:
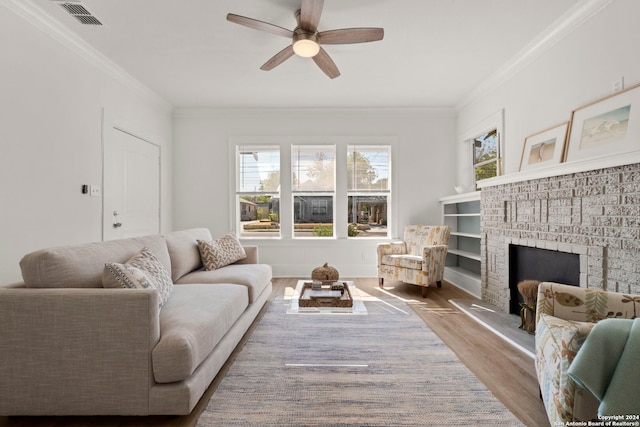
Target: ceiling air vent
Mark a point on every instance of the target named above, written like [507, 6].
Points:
[79, 12]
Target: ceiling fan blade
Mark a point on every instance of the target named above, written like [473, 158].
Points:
[310, 13]
[350, 35]
[278, 58]
[259, 25]
[326, 64]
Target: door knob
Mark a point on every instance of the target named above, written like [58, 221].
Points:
[117, 224]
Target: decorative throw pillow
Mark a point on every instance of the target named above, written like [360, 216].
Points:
[143, 270]
[223, 251]
[125, 276]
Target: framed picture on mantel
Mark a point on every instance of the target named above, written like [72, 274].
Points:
[544, 148]
[608, 126]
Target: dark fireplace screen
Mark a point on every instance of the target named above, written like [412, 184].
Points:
[527, 263]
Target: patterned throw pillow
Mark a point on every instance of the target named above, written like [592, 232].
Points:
[143, 270]
[223, 251]
[125, 276]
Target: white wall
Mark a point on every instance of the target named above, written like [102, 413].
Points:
[578, 69]
[51, 103]
[202, 174]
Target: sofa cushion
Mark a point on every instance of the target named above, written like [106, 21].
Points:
[256, 277]
[192, 322]
[220, 252]
[183, 250]
[143, 270]
[82, 265]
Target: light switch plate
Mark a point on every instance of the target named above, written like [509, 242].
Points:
[94, 190]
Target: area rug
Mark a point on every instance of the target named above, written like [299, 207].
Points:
[386, 368]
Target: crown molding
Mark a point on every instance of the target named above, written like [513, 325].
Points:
[558, 30]
[34, 15]
[212, 112]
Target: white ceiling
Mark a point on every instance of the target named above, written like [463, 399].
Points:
[434, 51]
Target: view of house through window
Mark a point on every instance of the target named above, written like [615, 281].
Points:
[313, 176]
[368, 190]
[258, 190]
[313, 191]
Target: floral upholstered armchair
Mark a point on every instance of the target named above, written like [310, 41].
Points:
[419, 259]
[565, 315]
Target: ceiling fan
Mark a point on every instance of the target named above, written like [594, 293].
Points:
[305, 38]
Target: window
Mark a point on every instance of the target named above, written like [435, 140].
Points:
[485, 155]
[368, 190]
[258, 190]
[304, 188]
[483, 151]
[313, 176]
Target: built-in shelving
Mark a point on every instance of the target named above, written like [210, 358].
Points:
[462, 213]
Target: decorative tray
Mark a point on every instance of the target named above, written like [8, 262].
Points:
[336, 294]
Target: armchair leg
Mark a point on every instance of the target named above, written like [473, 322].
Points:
[380, 281]
[439, 283]
[424, 291]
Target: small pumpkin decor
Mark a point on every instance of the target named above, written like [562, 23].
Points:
[325, 274]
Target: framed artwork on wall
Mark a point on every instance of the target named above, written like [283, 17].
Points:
[608, 126]
[544, 148]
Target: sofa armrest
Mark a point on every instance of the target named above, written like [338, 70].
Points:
[582, 304]
[77, 351]
[252, 255]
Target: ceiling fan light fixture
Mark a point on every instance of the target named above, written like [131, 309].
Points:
[305, 46]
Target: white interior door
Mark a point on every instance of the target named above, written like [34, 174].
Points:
[131, 186]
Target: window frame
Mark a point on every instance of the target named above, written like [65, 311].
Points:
[241, 193]
[340, 201]
[301, 193]
[493, 122]
[363, 193]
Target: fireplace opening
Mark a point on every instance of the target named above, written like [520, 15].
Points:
[544, 265]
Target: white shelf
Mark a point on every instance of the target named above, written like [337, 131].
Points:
[465, 214]
[462, 212]
[467, 254]
[470, 235]
[464, 279]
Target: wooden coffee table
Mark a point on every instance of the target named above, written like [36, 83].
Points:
[358, 306]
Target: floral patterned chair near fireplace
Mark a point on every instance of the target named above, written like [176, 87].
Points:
[419, 259]
[564, 317]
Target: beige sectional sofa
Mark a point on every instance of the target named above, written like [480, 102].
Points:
[71, 347]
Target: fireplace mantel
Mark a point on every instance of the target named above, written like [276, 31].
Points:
[563, 169]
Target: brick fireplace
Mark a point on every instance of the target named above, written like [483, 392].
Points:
[594, 214]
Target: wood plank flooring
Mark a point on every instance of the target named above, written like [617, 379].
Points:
[507, 372]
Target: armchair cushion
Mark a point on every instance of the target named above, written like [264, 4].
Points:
[404, 261]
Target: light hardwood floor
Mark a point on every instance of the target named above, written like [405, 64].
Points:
[507, 372]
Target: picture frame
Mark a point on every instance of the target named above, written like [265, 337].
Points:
[544, 148]
[606, 127]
